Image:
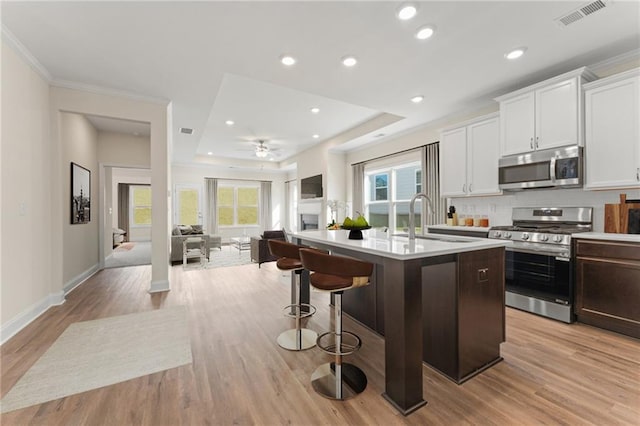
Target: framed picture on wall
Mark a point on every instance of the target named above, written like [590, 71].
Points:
[80, 194]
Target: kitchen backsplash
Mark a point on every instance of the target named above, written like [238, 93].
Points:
[498, 208]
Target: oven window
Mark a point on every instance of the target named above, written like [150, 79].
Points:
[525, 173]
[539, 276]
[567, 168]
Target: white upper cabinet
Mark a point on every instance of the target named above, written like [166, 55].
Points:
[612, 132]
[545, 115]
[469, 158]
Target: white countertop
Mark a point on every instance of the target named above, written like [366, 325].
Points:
[399, 247]
[632, 238]
[461, 228]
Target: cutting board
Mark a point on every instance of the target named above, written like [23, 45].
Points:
[617, 216]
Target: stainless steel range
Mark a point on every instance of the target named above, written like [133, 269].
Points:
[539, 263]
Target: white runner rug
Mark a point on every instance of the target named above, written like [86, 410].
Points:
[92, 354]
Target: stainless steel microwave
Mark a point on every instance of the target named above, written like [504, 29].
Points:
[551, 168]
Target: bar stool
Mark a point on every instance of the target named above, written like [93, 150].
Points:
[299, 338]
[337, 380]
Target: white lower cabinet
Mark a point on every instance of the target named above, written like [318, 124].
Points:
[612, 132]
[469, 156]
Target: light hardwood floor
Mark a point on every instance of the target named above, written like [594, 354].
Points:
[552, 373]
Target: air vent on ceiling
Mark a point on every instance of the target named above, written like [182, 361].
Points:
[581, 12]
[186, 130]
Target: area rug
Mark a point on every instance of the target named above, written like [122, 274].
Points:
[93, 354]
[125, 246]
[228, 256]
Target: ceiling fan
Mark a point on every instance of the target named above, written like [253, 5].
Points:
[262, 150]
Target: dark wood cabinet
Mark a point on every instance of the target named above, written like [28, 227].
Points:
[462, 310]
[463, 313]
[608, 285]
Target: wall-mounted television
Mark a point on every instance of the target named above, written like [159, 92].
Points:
[311, 187]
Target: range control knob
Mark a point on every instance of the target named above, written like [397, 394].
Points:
[557, 238]
[525, 236]
[498, 234]
[507, 234]
[544, 237]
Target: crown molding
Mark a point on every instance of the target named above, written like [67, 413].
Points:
[13, 42]
[623, 58]
[100, 90]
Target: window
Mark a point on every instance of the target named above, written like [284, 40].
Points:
[238, 205]
[187, 205]
[140, 200]
[388, 191]
[381, 185]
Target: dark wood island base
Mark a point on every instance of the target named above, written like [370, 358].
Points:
[434, 302]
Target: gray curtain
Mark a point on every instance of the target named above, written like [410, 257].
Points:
[288, 207]
[358, 188]
[265, 205]
[123, 208]
[211, 196]
[431, 183]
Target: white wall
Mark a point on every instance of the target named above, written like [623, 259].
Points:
[79, 241]
[26, 198]
[118, 149]
[195, 175]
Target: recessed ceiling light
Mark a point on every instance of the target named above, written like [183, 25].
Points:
[515, 53]
[425, 32]
[229, 122]
[287, 60]
[316, 136]
[407, 11]
[417, 99]
[209, 153]
[315, 110]
[349, 61]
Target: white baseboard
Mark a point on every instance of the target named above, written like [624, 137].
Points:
[159, 286]
[23, 319]
[20, 321]
[79, 279]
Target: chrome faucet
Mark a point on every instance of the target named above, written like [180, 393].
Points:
[412, 215]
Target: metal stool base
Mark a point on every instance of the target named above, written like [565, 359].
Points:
[293, 341]
[323, 380]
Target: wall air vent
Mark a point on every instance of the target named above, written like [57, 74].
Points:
[581, 12]
[186, 130]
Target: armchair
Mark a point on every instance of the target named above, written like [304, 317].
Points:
[260, 248]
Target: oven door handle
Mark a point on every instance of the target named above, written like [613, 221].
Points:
[546, 252]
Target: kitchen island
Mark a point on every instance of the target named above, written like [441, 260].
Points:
[460, 283]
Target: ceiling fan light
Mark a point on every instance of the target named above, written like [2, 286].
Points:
[261, 153]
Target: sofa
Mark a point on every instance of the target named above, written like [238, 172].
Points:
[260, 252]
[182, 232]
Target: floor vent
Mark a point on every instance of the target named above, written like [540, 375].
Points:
[581, 12]
[186, 130]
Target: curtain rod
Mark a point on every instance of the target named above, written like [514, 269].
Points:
[395, 153]
[240, 179]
